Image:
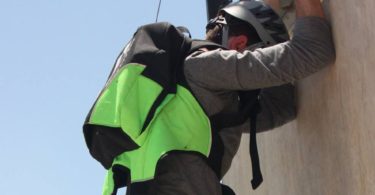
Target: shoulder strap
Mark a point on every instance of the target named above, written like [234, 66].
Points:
[166, 49]
[197, 44]
[253, 147]
[249, 108]
[248, 100]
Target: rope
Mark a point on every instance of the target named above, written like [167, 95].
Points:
[157, 14]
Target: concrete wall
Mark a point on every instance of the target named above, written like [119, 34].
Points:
[330, 148]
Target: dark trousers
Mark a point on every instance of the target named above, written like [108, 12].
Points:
[180, 173]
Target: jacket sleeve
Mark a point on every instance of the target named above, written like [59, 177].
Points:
[278, 106]
[310, 49]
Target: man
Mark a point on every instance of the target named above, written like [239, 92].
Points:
[217, 79]
[216, 76]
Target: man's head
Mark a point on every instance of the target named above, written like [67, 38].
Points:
[247, 25]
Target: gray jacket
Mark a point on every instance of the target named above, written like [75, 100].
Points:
[215, 76]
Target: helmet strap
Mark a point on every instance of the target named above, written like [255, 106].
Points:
[225, 36]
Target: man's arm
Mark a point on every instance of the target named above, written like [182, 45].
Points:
[310, 49]
[279, 103]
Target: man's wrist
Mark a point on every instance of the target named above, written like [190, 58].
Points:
[309, 8]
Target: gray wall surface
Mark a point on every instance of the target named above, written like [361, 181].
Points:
[330, 148]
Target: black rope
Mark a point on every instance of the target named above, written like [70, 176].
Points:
[157, 14]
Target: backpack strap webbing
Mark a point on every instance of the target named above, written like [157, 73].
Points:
[255, 165]
[249, 108]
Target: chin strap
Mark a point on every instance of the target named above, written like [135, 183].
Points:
[225, 36]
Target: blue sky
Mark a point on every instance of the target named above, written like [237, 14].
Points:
[55, 57]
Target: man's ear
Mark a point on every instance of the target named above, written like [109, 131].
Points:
[240, 42]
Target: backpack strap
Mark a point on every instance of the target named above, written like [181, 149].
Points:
[198, 44]
[255, 165]
[249, 108]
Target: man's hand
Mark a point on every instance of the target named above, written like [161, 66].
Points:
[309, 8]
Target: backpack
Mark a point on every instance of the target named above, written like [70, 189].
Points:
[145, 87]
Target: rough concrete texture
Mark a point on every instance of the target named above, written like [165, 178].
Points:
[330, 148]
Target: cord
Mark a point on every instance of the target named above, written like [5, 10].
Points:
[157, 14]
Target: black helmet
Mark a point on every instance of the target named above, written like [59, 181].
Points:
[267, 23]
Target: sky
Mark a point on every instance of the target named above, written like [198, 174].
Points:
[55, 57]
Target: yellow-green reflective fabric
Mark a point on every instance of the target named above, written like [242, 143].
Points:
[126, 101]
[109, 184]
[179, 124]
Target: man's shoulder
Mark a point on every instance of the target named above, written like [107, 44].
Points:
[203, 45]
